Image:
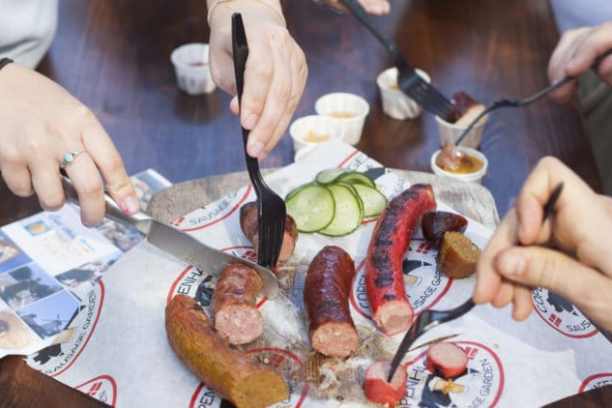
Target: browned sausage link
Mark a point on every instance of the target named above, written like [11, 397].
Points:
[236, 316]
[249, 226]
[230, 373]
[326, 296]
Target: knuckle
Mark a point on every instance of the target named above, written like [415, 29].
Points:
[9, 155]
[548, 163]
[262, 70]
[35, 147]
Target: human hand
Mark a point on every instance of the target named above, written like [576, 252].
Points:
[576, 53]
[376, 7]
[41, 122]
[579, 268]
[275, 73]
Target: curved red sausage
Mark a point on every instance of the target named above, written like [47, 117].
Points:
[326, 296]
[236, 316]
[384, 277]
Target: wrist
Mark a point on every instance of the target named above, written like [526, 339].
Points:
[220, 11]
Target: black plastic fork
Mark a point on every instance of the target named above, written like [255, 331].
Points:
[409, 81]
[518, 103]
[271, 210]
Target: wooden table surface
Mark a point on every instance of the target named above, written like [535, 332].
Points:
[114, 56]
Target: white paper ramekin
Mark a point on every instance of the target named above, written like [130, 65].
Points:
[300, 128]
[192, 69]
[348, 129]
[475, 177]
[395, 103]
[449, 132]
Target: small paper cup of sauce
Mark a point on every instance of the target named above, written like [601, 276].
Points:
[192, 69]
[450, 132]
[308, 132]
[348, 112]
[397, 104]
[478, 162]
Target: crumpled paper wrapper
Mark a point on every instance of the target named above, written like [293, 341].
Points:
[119, 353]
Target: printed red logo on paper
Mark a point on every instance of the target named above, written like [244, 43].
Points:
[103, 388]
[480, 386]
[561, 315]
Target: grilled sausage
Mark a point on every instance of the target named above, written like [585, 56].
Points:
[378, 390]
[384, 276]
[436, 223]
[236, 316]
[230, 373]
[249, 226]
[446, 360]
[326, 296]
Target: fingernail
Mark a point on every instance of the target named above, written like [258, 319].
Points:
[249, 121]
[511, 264]
[255, 148]
[130, 205]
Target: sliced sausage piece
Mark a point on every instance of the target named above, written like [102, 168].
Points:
[436, 223]
[384, 275]
[249, 226]
[378, 390]
[446, 360]
[326, 296]
[234, 304]
[458, 256]
[228, 372]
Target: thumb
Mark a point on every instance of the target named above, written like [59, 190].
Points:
[541, 267]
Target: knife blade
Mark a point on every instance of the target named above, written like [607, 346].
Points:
[180, 245]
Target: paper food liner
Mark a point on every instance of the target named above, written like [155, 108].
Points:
[119, 351]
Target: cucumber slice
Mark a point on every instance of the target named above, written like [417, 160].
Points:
[329, 176]
[312, 207]
[374, 202]
[355, 177]
[348, 214]
[356, 194]
[297, 190]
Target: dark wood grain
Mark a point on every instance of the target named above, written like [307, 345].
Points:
[21, 386]
[114, 56]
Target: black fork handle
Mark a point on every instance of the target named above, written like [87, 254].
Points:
[359, 13]
[240, 51]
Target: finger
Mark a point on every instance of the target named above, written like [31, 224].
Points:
[222, 70]
[275, 102]
[558, 63]
[234, 107]
[258, 76]
[605, 69]
[536, 191]
[47, 183]
[504, 296]
[17, 178]
[298, 73]
[555, 271]
[522, 303]
[102, 151]
[488, 281]
[89, 187]
[376, 7]
[596, 43]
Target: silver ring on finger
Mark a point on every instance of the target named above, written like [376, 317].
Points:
[69, 158]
